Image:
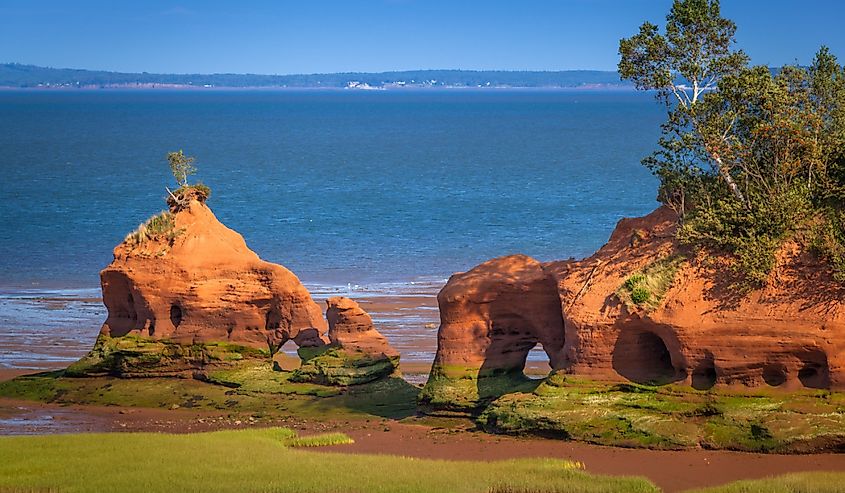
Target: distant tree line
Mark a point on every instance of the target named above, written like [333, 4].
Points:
[17, 75]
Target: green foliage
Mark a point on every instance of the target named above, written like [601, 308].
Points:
[747, 157]
[640, 295]
[828, 241]
[634, 281]
[696, 47]
[648, 287]
[161, 227]
[752, 234]
[181, 166]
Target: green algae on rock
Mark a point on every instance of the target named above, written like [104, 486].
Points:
[672, 417]
[134, 356]
[336, 366]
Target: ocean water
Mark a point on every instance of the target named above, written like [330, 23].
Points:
[365, 192]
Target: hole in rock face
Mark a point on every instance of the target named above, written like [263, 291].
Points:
[287, 357]
[175, 315]
[704, 376]
[774, 374]
[814, 372]
[537, 364]
[643, 357]
[510, 344]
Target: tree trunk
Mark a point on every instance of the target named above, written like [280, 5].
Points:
[734, 188]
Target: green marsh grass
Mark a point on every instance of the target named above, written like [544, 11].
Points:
[257, 460]
[806, 482]
[322, 440]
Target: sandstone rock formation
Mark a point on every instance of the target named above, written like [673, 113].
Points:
[184, 291]
[357, 352]
[685, 323]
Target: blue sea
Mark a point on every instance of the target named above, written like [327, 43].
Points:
[367, 193]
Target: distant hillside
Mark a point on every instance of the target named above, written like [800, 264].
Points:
[22, 76]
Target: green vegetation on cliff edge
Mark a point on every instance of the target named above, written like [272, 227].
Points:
[747, 158]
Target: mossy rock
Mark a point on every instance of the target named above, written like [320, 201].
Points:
[464, 390]
[330, 365]
[133, 356]
[669, 417]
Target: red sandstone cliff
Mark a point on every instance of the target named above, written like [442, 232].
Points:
[203, 284]
[789, 334]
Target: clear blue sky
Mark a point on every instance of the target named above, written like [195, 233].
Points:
[307, 36]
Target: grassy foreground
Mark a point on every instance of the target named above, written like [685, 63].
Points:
[662, 417]
[260, 460]
[809, 482]
[263, 460]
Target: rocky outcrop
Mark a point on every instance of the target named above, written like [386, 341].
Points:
[185, 291]
[357, 352]
[641, 309]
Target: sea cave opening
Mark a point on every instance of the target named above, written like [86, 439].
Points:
[774, 374]
[642, 356]
[176, 315]
[814, 372]
[704, 375]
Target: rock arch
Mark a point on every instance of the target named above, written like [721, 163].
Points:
[490, 319]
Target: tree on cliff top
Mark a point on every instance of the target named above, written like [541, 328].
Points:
[745, 156]
[182, 167]
[688, 61]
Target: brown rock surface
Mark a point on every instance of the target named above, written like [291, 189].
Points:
[205, 285]
[351, 328]
[789, 334]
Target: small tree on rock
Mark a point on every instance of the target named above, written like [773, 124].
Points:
[181, 166]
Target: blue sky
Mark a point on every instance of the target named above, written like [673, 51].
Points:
[308, 36]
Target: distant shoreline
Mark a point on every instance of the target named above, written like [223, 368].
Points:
[192, 88]
[20, 76]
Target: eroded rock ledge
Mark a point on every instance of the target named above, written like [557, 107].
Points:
[185, 293]
[640, 309]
